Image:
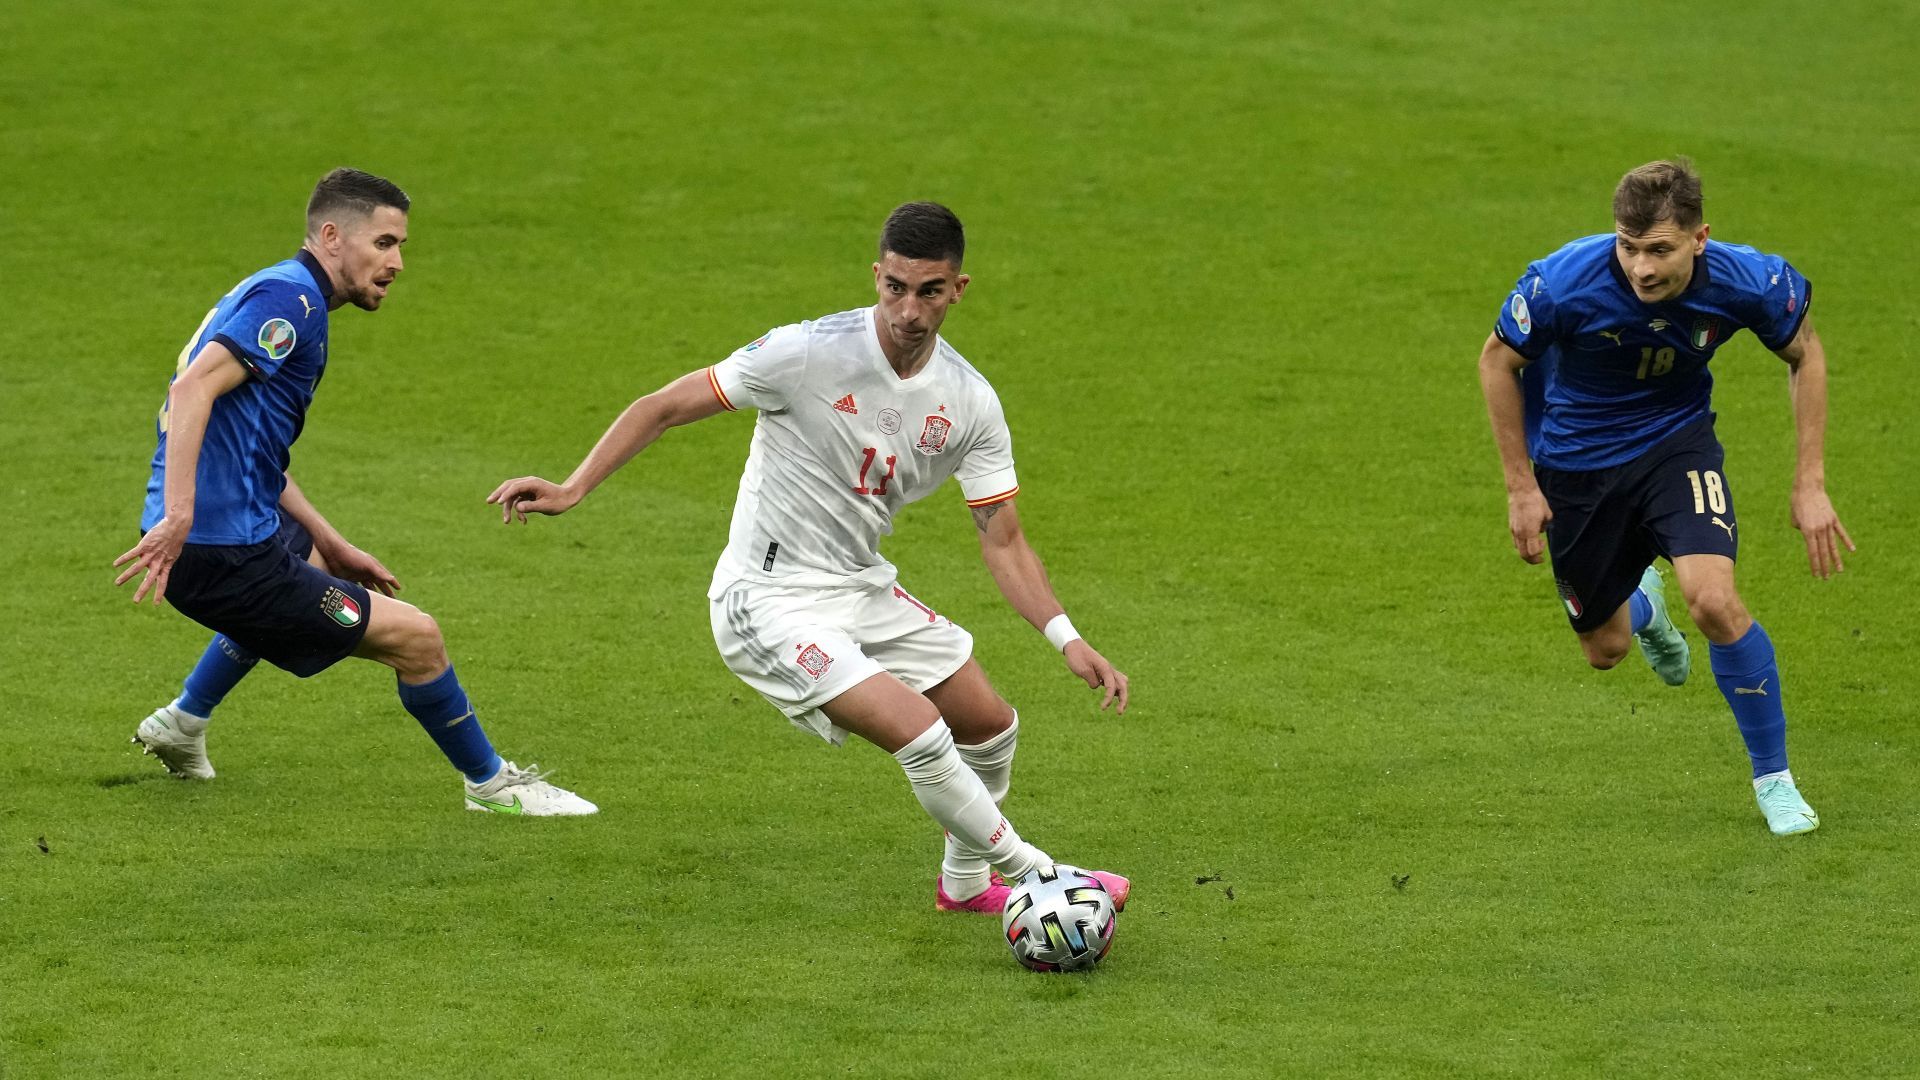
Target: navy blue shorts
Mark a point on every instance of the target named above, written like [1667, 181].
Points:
[1610, 524]
[271, 601]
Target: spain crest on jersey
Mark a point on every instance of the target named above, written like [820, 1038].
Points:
[933, 437]
[1706, 331]
[277, 338]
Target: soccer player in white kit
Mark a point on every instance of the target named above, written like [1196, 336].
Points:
[861, 413]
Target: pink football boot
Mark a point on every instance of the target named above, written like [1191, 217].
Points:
[991, 902]
[1117, 887]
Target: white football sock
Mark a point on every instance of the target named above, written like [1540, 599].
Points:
[963, 871]
[1758, 783]
[955, 797]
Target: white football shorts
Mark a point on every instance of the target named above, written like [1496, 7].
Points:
[803, 647]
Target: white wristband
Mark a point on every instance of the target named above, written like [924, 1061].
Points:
[1060, 631]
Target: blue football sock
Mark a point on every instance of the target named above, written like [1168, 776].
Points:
[1641, 609]
[442, 708]
[1750, 681]
[220, 669]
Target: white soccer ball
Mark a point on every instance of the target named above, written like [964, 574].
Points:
[1059, 918]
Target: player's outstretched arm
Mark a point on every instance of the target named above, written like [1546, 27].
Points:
[190, 400]
[682, 401]
[1022, 578]
[1527, 512]
[1813, 512]
[338, 557]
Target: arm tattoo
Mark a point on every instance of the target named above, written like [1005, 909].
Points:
[984, 514]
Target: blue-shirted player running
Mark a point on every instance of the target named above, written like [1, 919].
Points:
[231, 542]
[1610, 337]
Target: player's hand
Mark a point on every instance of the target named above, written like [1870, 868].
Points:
[531, 495]
[1527, 517]
[1814, 516]
[156, 553]
[352, 564]
[1091, 666]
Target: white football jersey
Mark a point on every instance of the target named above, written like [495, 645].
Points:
[842, 442]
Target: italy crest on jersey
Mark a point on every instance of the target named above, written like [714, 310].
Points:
[277, 338]
[1706, 331]
[933, 437]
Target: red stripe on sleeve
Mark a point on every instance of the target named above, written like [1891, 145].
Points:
[991, 499]
[714, 381]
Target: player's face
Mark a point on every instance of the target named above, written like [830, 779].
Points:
[369, 256]
[914, 297]
[1659, 262]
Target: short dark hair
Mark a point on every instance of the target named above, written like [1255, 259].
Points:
[354, 191]
[1658, 191]
[924, 230]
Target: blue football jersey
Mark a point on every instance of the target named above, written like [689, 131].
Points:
[1609, 375]
[275, 323]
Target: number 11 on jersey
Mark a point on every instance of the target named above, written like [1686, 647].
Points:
[860, 488]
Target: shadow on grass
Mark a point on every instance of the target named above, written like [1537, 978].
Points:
[123, 779]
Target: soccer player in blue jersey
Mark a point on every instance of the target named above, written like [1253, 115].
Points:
[1609, 338]
[230, 541]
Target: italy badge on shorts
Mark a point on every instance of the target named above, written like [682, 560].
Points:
[277, 338]
[340, 607]
[1569, 598]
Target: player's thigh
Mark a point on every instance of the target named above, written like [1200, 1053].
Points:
[920, 646]
[1596, 543]
[793, 647]
[882, 710]
[974, 711]
[272, 603]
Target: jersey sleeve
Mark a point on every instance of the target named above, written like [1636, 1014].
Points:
[264, 328]
[1526, 322]
[762, 374]
[1779, 302]
[986, 472]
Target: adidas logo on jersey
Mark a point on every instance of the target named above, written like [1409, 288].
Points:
[846, 405]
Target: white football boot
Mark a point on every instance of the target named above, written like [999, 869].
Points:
[514, 790]
[179, 739]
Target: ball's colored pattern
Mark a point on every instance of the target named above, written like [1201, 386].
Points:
[1059, 918]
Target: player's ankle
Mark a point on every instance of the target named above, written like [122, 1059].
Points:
[965, 886]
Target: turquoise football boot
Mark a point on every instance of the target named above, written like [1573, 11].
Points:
[1787, 812]
[1664, 645]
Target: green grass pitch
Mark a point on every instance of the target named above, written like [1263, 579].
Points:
[1233, 263]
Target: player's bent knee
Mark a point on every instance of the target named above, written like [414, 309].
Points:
[405, 639]
[1604, 653]
[1722, 618]
[883, 711]
[426, 648]
[1604, 661]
